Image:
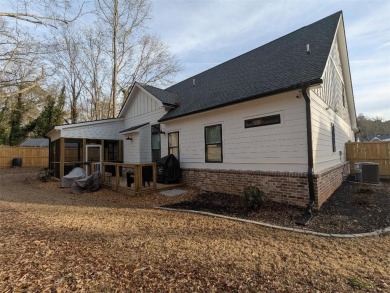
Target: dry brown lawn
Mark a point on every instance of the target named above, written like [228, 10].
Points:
[54, 241]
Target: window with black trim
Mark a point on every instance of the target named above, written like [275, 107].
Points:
[173, 144]
[333, 137]
[213, 143]
[262, 121]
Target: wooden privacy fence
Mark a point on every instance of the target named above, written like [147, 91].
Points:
[31, 156]
[376, 152]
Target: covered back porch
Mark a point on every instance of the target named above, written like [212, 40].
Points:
[105, 156]
[68, 153]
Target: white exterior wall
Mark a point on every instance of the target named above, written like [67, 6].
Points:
[323, 154]
[145, 146]
[280, 147]
[143, 108]
[131, 149]
[327, 107]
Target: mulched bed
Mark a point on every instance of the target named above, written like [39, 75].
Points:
[353, 208]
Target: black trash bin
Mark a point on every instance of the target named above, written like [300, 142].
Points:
[17, 162]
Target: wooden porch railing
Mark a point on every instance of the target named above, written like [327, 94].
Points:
[114, 181]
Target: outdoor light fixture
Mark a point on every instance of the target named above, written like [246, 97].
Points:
[162, 131]
[129, 138]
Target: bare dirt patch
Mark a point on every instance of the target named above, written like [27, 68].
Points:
[54, 241]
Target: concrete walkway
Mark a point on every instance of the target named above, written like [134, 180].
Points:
[368, 234]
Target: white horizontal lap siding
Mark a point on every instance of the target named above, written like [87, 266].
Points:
[322, 117]
[131, 149]
[145, 144]
[104, 130]
[280, 147]
[143, 108]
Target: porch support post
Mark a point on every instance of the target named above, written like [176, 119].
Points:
[62, 156]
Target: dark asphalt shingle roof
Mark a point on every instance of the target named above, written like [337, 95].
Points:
[278, 66]
[165, 96]
[133, 128]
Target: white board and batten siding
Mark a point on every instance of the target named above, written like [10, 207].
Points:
[278, 147]
[330, 105]
[142, 108]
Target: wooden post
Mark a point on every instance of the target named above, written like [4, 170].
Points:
[154, 175]
[62, 157]
[117, 179]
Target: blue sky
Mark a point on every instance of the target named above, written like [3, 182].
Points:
[203, 34]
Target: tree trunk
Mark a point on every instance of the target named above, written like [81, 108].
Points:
[115, 61]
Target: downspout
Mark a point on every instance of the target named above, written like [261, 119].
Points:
[310, 178]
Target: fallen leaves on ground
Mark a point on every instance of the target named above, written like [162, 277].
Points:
[54, 241]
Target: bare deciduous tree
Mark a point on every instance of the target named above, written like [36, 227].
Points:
[68, 61]
[134, 54]
[41, 12]
[19, 46]
[97, 74]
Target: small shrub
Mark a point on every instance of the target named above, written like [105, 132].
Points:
[253, 198]
[359, 283]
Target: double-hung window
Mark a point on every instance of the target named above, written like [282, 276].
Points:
[213, 143]
[173, 144]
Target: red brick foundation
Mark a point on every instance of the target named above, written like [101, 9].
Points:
[328, 181]
[285, 187]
